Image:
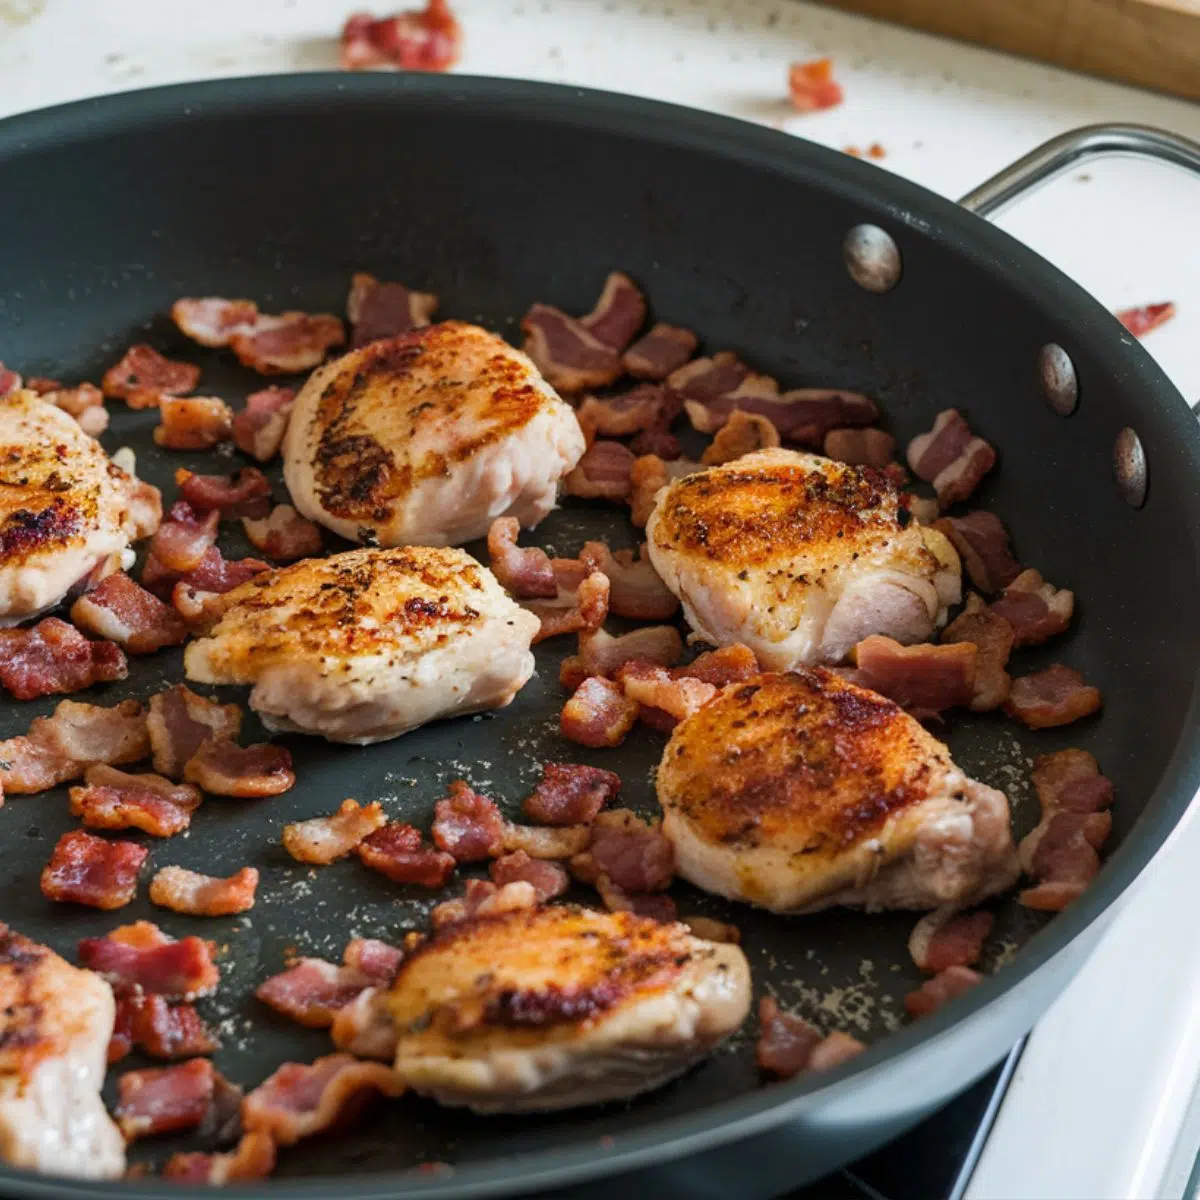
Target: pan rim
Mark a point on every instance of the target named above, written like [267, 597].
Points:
[738, 142]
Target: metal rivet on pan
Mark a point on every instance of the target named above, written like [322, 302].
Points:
[1059, 384]
[1129, 467]
[872, 258]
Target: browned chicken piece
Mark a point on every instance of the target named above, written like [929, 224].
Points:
[426, 438]
[799, 558]
[55, 1022]
[548, 1008]
[797, 792]
[366, 645]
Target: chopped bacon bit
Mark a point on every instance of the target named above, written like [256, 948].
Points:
[655, 906]
[258, 428]
[212, 321]
[729, 664]
[245, 493]
[581, 609]
[646, 408]
[375, 959]
[85, 869]
[483, 898]
[572, 359]
[85, 403]
[547, 879]
[785, 1041]
[571, 794]
[833, 1050]
[598, 714]
[983, 544]
[680, 695]
[944, 986]
[143, 369]
[184, 537]
[215, 574]
[384, 310]
[603, 473]
[636, 589]
[656, 354]
[145, 506]
[163, 1029]
[1070, 781]
[619, 313]
[659, 442]
[289, 343]
[164, 1099]
[944, 938]
[54, 657]
[1140, 321]
[1055, 696]
[1035, 609]
[254, 1158]
[526, 572]
[125, 613]
[540, 841]
[992, 637]
[428, 39]
[192, 422]
[180, 721]
[1050, 897]
[200, 610]
[633, 853]
[322, 840]
[112, 799]
[223, 768]
[602, 654]
[467, 825]
[284, 535]
[951, 457]
[91, 733]
[860, 447]
[300, 1100]
[742, 434]
[142, 956]
[396, 851]
[811, 85]
[648, 475]
[10, 382]
[27, 766]
[197, 895]
[312, 991]
[713, 931]
[924, 679]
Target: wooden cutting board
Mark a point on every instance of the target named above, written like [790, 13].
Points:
[1154, 43]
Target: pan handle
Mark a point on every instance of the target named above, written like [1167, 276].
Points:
[1061, 153]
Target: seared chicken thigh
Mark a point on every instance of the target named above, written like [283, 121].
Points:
[801, 791]
[799, 558]
[426, 438]
[55, 1022]
[548, 1008]
[369, 644]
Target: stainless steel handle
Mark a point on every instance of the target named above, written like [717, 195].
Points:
[1060, 154]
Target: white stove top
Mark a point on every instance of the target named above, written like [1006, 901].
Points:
[1103, 1102]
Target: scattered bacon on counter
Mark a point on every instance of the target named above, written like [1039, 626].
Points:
[164, 1099]
[787, 1044]
[481, 898]
[184, 537]
[378, 310]
[467, 825]
[924, 678]
[945, 986]
[179, 721]
[245, 493]
[1056, 696]
[547, 841]
[655, 905]
[721, 667]
[428, 39]
[572, 359]
[950, 457]
[656, 354]
[571, 794]
[312, 991]
[945, 938]
[645, 408]
[655, 687]
[253, 1158]
[143, 376]
[647, 475]
[10, 381]
[600, 653]
[633, 853]
[142, 956]
[121, 611]
[258, 428]
[983, 545]
[284, 535]
[525, 571]
[1140, 321]
[635, 588]
[91, 733]
[322, 840]
[52, 657]
[1035, 609]
[85, 869]
[299, 1100]
[811, 85]
[547, 879]
[581, 608]
[992, 637]
[598, 714]
[603, 473]
[860, 447]
[162, 1028]
[223, 768]
[112, 799]
[197, 895]
[397, 851]
[713, 931]
[192, 422]
[742, 434]
[287, 344]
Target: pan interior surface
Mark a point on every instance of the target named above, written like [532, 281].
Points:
[494, 196]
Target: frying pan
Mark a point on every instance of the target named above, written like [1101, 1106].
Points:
[495, 194]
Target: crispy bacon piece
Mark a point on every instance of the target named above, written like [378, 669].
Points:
[1140, 321]
[125, 613]
[428, 39]
[992, 637]
[223, 768]
[542, 841]
[525, 571]
[53, 657]
[603, 473]
[950, 457]
[377, 960]
[659, 442]
[570, 357]
[547, 879]
[245, 493]
[322, 840]
[143, 370]
[397, 851]
[384, 310]
[164, 1099]
[482, 898]
[656, 354]
[582, 608]
[787, 1044]
[742, 434]
[145, 504]
[162, 1028]
[299, 1100]
[655, 687]
[1035, 609]
[571, 794]
[645, 408]
[142, 956]
[1056, 696]
[983, 545]
[598, 714]
[860, 447]
[289, 343]
[213, 321]
[180, 721]
[924, 679]
[633, 853]
[945, 938]
[312, 991]
[284, 535]
[215, 575]
[467, 825]
[258, 428]
[27, 766]
[10, 381]
[601, 653]
[200, 610]
[85, 869]
[619, 313]
[184, 537]
[1070, 781]
[112, 799]
[253, 1158]
[635, 588]
[197, 895]
[656, 906]
[721, 667]
[945, 986]
[192, 422]
[647, 476]
[811, 85]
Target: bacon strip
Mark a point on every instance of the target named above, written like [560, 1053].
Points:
[860, 447]
[983, 545]
[258, 428]
[547, 879]
[598, 714]
[467, 825]
[924, 679]
[656, 354]
[603, 473]
[124, 613]
[85, 869]
[945, 986]
[141, 956]
[223, 768]
[992, 637]
[254, 1158]
[811, 85]
[164, 1099]
[572, 359]
[197, 895]
[179, 722]
[322, 840]
[284, 535]
[245, 493]
[631, 852]
[54, 657]
[1036, 610]
[143, 370]
[571, 794]
[397, 851]
[112, 799]
[378, 310]
[1056, 696]
[1140, 321]
[192, 422]
[742, 434]
[951, 457]
[944, 938]
[428, 39]
[526, 572]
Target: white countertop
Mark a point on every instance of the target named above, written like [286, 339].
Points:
[1106, 1084]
